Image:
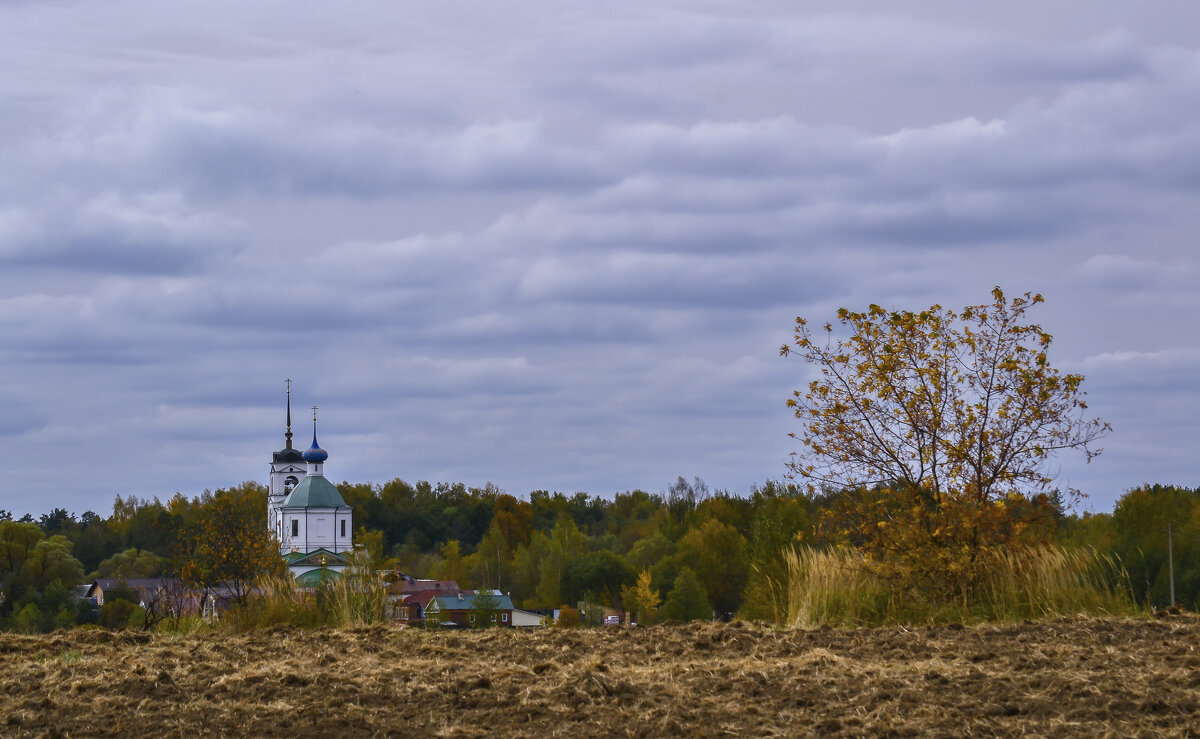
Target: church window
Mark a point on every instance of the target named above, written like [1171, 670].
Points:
[295, 527]
[343, 527]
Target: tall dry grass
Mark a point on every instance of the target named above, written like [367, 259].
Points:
[833, 586]
[1054, 581]
[359, 597]
[356, 598]
[836, 587]
[277, 600]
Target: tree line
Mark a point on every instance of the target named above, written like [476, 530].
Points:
[686, 552]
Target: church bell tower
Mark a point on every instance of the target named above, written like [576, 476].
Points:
[288, 468]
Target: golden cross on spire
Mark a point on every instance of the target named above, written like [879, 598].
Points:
[314, 414]
[289, 385]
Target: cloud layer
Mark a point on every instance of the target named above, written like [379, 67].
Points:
[555, 250]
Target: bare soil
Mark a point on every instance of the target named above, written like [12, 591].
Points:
[1066, 678]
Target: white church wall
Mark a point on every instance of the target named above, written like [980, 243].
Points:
[318, 528]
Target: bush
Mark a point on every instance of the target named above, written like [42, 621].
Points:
[28, 620]
[568, 617]
[115, 614]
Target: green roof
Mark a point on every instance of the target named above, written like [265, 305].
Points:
[313, 578]
[314, 557]
[314, 491]
[467, 603]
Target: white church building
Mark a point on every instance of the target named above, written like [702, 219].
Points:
[307, 514]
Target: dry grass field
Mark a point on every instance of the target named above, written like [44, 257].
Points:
[1066, 678]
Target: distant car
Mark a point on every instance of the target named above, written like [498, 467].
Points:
[612, 620]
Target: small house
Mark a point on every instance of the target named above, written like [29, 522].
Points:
[469, 609]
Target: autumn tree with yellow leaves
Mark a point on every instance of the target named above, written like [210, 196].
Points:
[228, 544]
[940, 429]
[641, 601]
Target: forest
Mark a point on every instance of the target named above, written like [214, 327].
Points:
[685, 553]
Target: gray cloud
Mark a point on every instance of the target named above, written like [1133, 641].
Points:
[556, 250]
[111, 233]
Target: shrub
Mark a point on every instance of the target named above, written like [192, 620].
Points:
[568, 617]
[28, 620]
[115, 614]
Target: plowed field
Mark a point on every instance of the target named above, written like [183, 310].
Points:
[1068, 678]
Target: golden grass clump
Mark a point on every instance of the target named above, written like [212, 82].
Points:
[1052, 581]
[836, 587]
[832, 586]
[359, 597]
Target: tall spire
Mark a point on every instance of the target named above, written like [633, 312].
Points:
[288, 435]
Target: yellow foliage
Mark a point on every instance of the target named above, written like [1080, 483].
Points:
[941, 423]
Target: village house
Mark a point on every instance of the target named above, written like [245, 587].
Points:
[465, 608]
[410, 596]
[159, 595]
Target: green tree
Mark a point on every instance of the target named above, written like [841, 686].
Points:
[687, 601]
[95, 542]
[602, 574]
[780, 517]
[29, 619]
[634, 516]
[491, 564]
[35, 571]
[371, 542]
[1139, 528]
[514, 520]
[452, 565]
[151, 524]
[485, 609]
[51, 562]
[649, 551]
[717, 552]
[526, 571]
[938, 425]
[564, 544]
[17, 541]
[132, 563]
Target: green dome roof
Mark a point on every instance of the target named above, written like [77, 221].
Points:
[314, 578]
[314, 491]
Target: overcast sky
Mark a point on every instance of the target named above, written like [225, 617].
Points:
[558, 248]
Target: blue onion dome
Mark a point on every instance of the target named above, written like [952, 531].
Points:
[315, 453]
